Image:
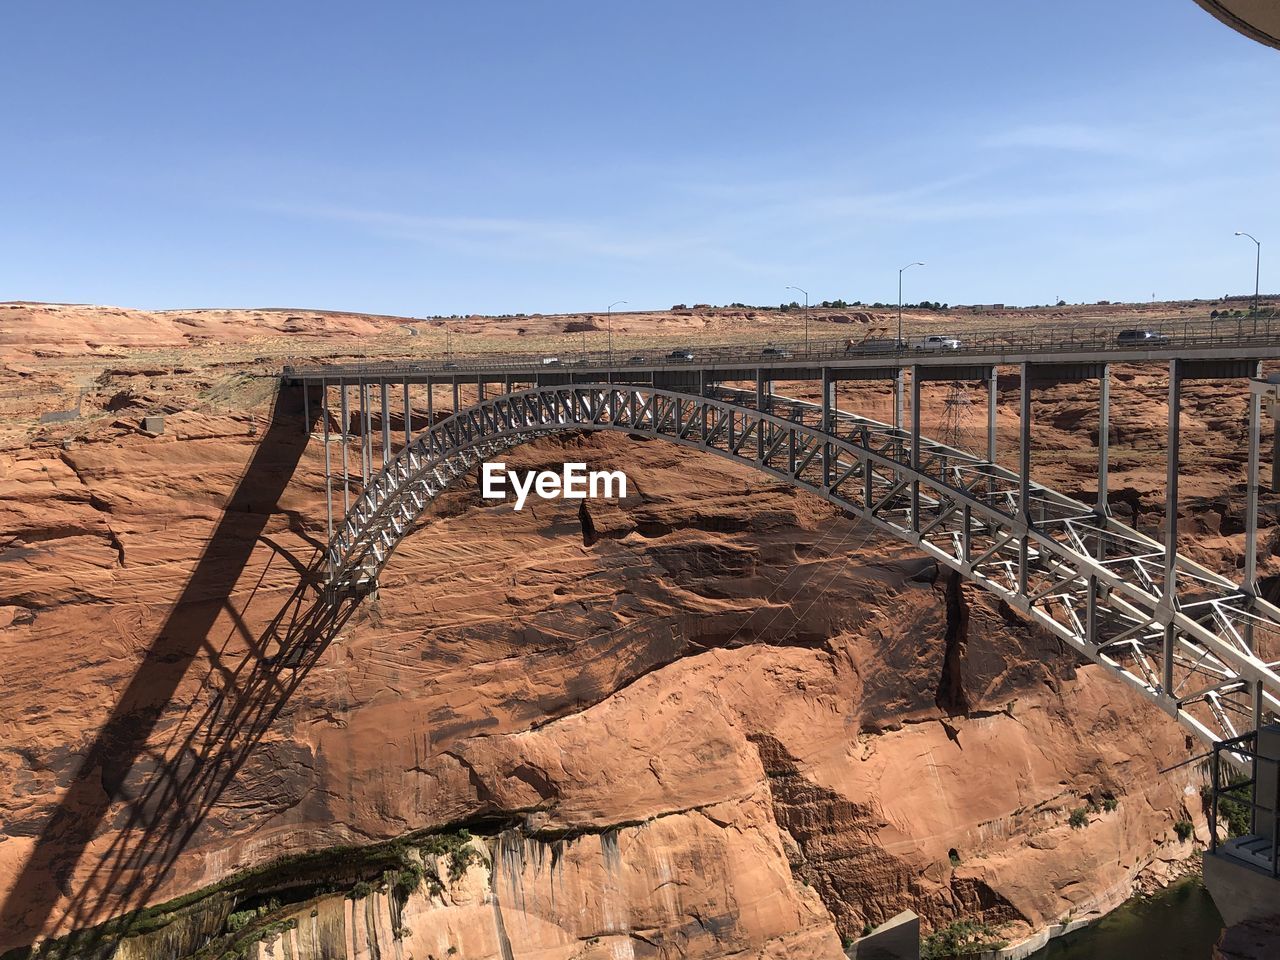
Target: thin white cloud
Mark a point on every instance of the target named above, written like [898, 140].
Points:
[1071, 137]
[530, 238]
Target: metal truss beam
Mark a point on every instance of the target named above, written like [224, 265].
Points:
[1155, 619]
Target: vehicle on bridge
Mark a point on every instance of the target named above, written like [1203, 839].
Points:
[550, 361]
[682, 354]
[775, 353]
[938, 342]
[875, 345]
[1141, 338]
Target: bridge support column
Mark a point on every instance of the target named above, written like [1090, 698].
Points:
[1024, 474]
[1102, 506]
[386, 425]
[915, 447]
[1275, 460]
[1104, 440]
[366, 424]
[1250, 583]
[479, 390]
[1169, 596]
[992, 398]
[431, 411]
[828, 388]
[898, 388]
[456, 405]
[408, 425]
[762, 401]
[346, 429]
[306, 407]
[328, 475]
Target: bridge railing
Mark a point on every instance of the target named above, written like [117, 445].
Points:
[1088, 336]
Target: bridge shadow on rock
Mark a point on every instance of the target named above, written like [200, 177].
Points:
[154, 796]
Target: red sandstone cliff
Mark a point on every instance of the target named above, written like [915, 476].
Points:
[738, 686]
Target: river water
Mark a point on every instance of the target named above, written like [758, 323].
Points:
[1178, 923]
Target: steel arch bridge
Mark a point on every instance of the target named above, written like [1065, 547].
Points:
[1188, 639]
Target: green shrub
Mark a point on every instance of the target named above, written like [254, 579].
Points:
[1109, 804]
[1231, 808]
[1079, 818]
[406, 880]
[241, 919]
[1184, 829]
[959, 939]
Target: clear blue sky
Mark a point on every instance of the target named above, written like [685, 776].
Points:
[545, 155]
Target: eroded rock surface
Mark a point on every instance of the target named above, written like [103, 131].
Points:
[733, 719]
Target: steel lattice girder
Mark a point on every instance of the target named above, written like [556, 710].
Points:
[1093, 582]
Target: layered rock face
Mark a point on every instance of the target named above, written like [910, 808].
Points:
[714, 717]
[735, 684]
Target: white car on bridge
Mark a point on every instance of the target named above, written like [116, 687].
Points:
[937, 342]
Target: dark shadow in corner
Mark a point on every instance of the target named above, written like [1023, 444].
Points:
[188, 777]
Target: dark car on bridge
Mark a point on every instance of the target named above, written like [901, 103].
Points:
[1141, 338]
[681, 354]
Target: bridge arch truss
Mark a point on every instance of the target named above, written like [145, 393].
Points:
[1188, 639]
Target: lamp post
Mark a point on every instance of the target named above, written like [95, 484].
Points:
[608, 320]
[917, 263]
[1257, 268]
[806, 314]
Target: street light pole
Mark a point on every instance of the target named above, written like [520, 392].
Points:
[1257, 268]
[806, 315]
[608, 320]
[917, 263]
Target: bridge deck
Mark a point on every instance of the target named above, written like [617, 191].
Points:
[1231, 343]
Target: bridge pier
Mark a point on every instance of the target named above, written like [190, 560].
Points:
[1169, 595]
[898, 390]
[1024, 474]
[915, 446]
[386, 425]
[828, 404]
[366, 429]
[992, 400]
[1251, 491]
[762, 404]
[328, 474]
[1242, 874]
[346, 429]
[1104, 440]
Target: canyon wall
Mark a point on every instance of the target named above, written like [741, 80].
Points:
[741, 687]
